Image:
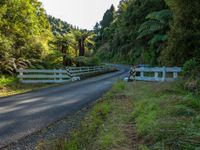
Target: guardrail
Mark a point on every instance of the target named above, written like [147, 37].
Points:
[43, 76]
[78, 71]
[58, 76]
[158, 73]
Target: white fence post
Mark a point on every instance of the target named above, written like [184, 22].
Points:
[175, 75]
[142, 73]
[156, 75]
[54, 75]
[60, 75]
[164, 74]
[21, 74]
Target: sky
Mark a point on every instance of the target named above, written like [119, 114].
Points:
[81, 13]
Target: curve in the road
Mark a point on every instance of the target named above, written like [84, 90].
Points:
[23, 114]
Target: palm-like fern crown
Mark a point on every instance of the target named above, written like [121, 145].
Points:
[156, 23]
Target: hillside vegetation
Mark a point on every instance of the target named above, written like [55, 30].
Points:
[156, 32]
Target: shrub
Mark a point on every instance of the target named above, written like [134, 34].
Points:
[69, 60]
[81, 61]
[93, 61]
[191, 69]
[86, 61]
[10, 65]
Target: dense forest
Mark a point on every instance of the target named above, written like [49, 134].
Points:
[156, 32]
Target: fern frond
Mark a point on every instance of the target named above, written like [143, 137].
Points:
[151, 25]
[157, 38]
[162, 16]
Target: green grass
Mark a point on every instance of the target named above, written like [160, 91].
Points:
[166, 118]
[161, 116]
[10, 85]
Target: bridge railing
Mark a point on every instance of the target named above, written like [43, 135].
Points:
[157, 73]
[43, 76]
[78, 71]
[57, 76]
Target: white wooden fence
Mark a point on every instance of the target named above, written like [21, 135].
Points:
[158, 73]
[43, 76]
[78, 71]
[57, 76]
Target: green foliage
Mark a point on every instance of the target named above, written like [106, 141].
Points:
[165, 118]
[81, 61]
[84, 40]
[6, 80]
[108, 17]
[86, 61]
[191, 68]
[184, 35]
[10, 85]
[152, 31]
[10, 65]
[24, 33]
[93, 61]
[125, 45]
[59, 27]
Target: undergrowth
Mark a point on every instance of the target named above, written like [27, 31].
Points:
[10, 85]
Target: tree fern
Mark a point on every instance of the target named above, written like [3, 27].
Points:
[157, 38]
[162, 16]
[157, 22]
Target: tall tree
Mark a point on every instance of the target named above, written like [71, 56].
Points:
[64, 43]
[83, 38]
[108, 17]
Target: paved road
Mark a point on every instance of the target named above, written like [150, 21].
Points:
[23, 114]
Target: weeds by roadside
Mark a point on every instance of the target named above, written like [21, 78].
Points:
[10, 85]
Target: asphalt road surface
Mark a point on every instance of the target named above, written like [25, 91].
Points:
[23, 114]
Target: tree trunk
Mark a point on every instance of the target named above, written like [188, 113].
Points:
[63, 50]
[81, 48]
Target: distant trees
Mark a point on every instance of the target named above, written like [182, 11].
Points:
[108, 17]
[59, 27]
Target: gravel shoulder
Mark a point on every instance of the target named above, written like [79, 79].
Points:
[58, 130]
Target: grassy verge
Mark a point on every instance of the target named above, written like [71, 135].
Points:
[166, 117]
[10, 86]
[138, 115]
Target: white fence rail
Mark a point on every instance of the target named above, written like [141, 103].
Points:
[43, 76]
[157, 73]
[57, 76]
[78, 71]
